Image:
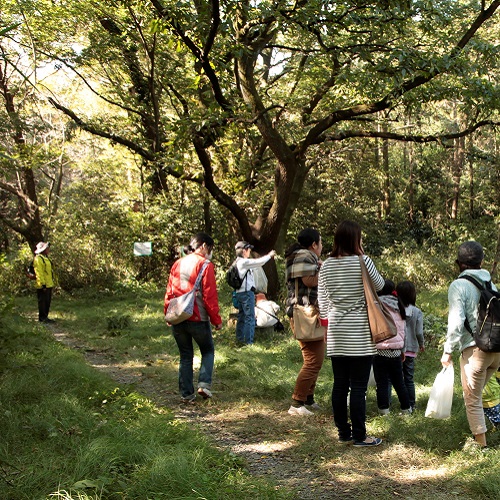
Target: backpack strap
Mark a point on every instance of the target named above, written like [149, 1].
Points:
[474, 281]
[478, 285]
[244, 276]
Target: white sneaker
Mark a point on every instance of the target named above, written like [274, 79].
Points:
[384, 412]
[300, 410]
[204, 392]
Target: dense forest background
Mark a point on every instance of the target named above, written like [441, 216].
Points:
[125, 121]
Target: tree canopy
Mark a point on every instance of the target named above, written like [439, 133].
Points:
[243, 99]
[235, 95]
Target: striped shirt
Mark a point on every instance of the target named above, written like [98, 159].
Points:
[342, 305]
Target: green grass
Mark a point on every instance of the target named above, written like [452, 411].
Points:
[69, 432]
[65, 423]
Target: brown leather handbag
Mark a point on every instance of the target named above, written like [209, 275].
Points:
[381, 322]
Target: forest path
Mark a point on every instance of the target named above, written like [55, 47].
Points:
[355, 474]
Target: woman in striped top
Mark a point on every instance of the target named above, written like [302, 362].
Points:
[342, 308]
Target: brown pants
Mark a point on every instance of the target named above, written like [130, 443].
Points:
[476, 368]
[313, 354]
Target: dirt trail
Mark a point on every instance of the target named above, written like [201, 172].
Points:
[243, 433]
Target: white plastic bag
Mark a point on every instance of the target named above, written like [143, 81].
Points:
[260, 279]
[371, 380]
[441, 396]
[266, 313]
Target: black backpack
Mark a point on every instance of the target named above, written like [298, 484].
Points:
[487, 334]
[30, 271]
[233, 277]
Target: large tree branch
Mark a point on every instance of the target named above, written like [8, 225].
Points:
[220, 196]
[422, 139]
[92, 129]
[214, 27]
[18, 193]
[196, 52]
[320, 92]
[15, 227]
[396, 93]
[132, 146]
[89, 86]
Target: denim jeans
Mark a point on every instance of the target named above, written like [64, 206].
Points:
[390, 370]
[350, 376]
[408, 371]
[245, 326]
[201, 333]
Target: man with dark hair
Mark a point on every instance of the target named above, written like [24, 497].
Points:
[476, 366]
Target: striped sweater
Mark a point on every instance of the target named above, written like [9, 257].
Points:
[342, 305]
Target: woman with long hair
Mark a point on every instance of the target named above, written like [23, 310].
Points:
[350, 347]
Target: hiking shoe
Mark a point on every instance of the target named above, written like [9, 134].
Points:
[348, 440]
[369, 441]
[189, 399]
[299, 410]
[204, 392]
[313, 406]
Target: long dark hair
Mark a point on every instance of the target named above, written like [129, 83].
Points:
[347, 239]
[305, 239]
[407, 293]
[198, 240]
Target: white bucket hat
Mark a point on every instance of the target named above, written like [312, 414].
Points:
[41, 247]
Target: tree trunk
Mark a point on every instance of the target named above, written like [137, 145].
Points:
[386, 203]
[28, 223]
[471, 177]
[457, 168]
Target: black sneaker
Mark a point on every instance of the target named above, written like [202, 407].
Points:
[368, 442]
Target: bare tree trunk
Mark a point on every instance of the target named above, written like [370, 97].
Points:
[28, 223]
[457, 168]
[494, 266]
[471, 176]
[411, 182]
[376, 166]
[386, 203]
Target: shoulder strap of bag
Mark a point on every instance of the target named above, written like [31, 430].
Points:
[472, 280]
[245, 275]
[200, 275]
[478, 285]
[267, 312]
[297, 293]
[367, 281]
